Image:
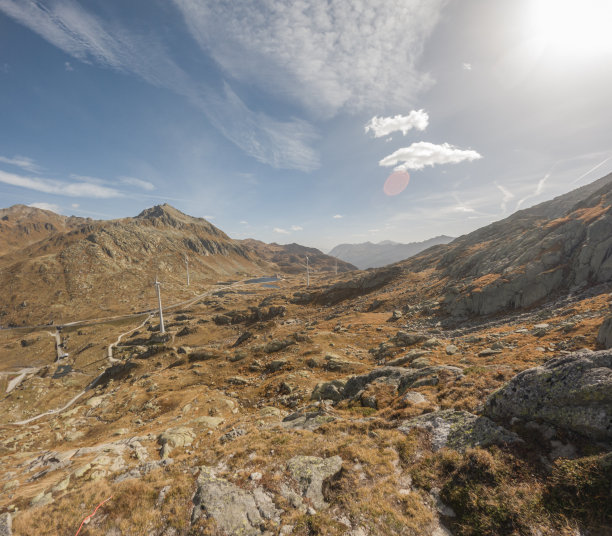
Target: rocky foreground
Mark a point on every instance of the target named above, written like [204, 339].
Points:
[267, 411]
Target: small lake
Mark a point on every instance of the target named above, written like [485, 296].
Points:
[262, 280]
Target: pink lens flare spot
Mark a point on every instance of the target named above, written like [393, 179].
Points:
[396, 182]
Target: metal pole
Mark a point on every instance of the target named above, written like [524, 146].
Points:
[162, 329]
[307, 274]
[187, 264]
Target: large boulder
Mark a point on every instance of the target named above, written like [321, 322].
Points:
[604, 336]
[572, 392]
[234, 510]
[459, 430]
[310, 472]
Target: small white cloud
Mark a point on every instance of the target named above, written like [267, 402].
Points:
[467, 66]
[338, 216]
[538, 190]
[244, 222]
[296, 228]
[280, 231]
[75, 205]
[68, 66]
[46, 206]
[421, 154]
[51, 186]
[133, 181]
[507, 196]
[22, 162]
[461, 208]
[383, 126]
[209, 217]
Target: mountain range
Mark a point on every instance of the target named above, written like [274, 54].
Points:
[370, 255]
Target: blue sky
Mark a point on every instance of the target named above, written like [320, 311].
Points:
[283, 120]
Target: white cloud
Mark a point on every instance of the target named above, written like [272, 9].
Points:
[467, 66]
[68, 66]
[383, 126]
[507, 196]
[462, 208]
[280, 231]
[22, 162]
[244, 222]
[51, 186]
[133, 181]
[338, 216]
[421, 154]
[537, 191]
[46, 206]
[82, 35]
[75, 205]
[209, 217]
[353, 54]
[296, 228]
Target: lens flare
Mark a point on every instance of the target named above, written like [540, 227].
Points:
[396, 182]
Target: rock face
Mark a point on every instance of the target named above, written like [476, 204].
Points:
[519, 261]
[310, 472]
[459, 430]
[234, 510]
[572, 392]
[604, 336]
[398, 377]
[181, 436]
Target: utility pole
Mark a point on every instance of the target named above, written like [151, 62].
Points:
[307, 274]
[162, 329]
[187, 264]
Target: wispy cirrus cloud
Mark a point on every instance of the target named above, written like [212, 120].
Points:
[139, 183]
[23, 162]
[537, 191]
[280, 230]
[90, 39]
[507, 195]
[46, 206]
[52, 186]
[327, 56]
[383, 126]
[421, 154]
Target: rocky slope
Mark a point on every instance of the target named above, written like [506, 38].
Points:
[21, 226]
[370, 255]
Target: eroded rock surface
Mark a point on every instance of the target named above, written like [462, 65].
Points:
[459, 430]
[573, 392]
[309, 472]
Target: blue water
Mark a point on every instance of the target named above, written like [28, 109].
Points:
[261, 280]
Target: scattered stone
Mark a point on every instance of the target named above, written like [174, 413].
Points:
[276, 365]
[572, 392]
[420, 362]
[245, 336]
[62, 485]
[459, 430]
[237, 380]
[95, 401]
[336, 364]
[395, 316]
[208, 422]
[310, 472]
[414, 397]
[180, 436]
[488, 351]
[404, 338]
[432, 343]
[6, 524]
[307, 420]
[232, 434]
[42, 499]
[329, 391]
[451, 349]
[407, 358]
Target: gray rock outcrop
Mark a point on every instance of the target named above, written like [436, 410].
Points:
[572, 392]
[309, 472]
[234, 510]
[459, 430]
[6, 524]
[604, 335]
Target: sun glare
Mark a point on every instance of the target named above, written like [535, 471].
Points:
[573, 27]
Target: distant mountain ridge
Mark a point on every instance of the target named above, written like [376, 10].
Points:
[370, 255]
